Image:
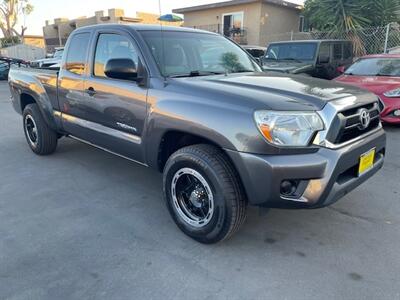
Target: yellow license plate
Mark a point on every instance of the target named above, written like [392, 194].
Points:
[366, 161]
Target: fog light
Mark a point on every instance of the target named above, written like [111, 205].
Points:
[288, 188]
[397, 112]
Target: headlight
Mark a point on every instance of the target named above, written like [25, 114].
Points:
[288, 128]
[393, 93]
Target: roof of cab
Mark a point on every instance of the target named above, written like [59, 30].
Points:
[144, 27]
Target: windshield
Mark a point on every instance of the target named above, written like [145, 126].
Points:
[291, 51]
[180, 54]
[375, 67]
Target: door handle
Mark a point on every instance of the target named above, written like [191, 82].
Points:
[90, 91]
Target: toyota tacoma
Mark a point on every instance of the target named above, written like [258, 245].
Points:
[198, 108]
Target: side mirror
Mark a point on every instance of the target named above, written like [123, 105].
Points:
[341, 69]
[323, 59]
[121, 68]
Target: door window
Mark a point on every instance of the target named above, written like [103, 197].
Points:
[337, 51]
[324, 51]
[76, 57]
[111, 46]
[347, 51]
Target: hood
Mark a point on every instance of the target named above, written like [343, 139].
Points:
[284, 66]
[374, 84]
[275, 91]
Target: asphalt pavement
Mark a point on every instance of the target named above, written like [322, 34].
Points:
[84, 224]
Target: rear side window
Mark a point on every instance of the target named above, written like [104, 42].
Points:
[347, 51]
[324, 50]
[111, 46]
[337, 51]
[76, 56]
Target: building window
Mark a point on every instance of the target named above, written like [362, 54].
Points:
[232, 23]
[301, 24]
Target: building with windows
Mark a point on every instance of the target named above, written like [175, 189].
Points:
[249, 22]
[57, 33]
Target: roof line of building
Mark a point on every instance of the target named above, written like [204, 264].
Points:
[235, 2]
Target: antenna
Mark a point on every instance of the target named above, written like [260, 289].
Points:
[162, 44]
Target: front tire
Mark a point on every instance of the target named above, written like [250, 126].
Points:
[204, 194]
[40, 137]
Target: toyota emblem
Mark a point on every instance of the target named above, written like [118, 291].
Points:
[365, 118]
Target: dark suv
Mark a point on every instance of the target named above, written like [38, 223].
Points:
[317, 58]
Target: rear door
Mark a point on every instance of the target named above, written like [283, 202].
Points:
[323, 69]
[71, 80]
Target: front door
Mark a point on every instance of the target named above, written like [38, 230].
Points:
[118, 107]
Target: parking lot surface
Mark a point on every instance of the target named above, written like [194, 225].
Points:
[84, 224]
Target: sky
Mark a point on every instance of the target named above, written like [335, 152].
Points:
[51, 9]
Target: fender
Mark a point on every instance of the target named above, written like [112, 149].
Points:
[23, 83]
[185, 117]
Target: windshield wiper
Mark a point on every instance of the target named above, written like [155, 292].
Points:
[383, 75]
[242, 71]
[196, 73]
[292, 59]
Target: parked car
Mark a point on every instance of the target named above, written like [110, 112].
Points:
[256, 51]
[380, 74]
[316, 58]
[48, 62]
[224, 136]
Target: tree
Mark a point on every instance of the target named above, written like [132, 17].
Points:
[346, 15]
[382, 12]
[10, 11]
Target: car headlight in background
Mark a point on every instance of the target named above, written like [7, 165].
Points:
[393, 93]
[287, 128]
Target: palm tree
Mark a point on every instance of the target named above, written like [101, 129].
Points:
[346, 15]
[382, 12]
[339, 17]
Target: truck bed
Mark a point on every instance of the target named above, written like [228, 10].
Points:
[41, 81]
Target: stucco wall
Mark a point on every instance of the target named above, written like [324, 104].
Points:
[260, 20]
[213, 17]
[275, 20]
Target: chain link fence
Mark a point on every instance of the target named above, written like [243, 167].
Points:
[372, 40]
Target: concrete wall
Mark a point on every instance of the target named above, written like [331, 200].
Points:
[24, 52]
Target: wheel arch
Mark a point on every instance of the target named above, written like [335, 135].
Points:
[44, 105]
[173, 140]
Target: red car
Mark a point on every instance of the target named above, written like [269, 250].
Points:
[379, 74]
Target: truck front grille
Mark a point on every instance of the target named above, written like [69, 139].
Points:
[350, 125]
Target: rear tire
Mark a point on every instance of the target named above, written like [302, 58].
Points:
[203, 193]
[40, 137]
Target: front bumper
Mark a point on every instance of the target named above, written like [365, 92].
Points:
[328, 174]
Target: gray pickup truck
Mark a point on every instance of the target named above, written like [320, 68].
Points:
[197, 107]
